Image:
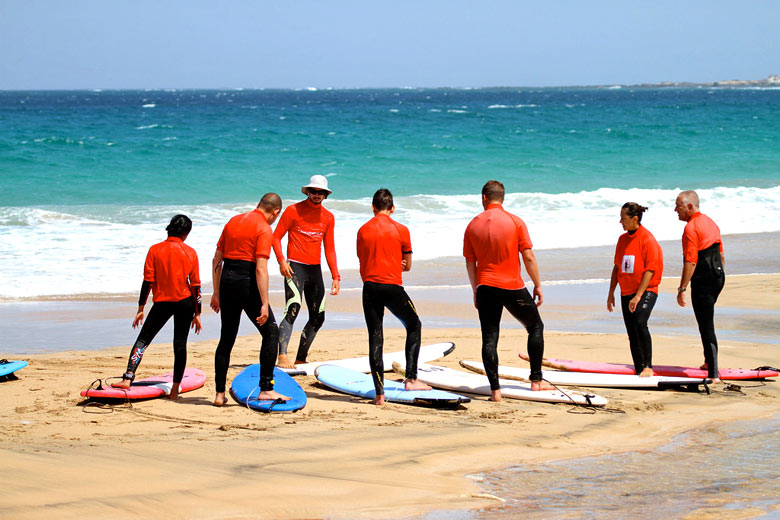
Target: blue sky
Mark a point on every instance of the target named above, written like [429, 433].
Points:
[422, 43]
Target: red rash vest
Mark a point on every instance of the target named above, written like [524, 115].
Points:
[246, 237]
[636, 254]
[172, 268]
[307, 225]
[700, 233]
[381, 244]
[493, 240]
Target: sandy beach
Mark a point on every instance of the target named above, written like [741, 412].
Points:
[340, 457]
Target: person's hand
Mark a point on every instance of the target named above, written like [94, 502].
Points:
[263, 314]
[403, 265]
[681, 299]
[196, 324]
[335, 287]
[538, 296]
[139, 319]
[632, 304]
[610, 302]
[285, 269]
[214, 303]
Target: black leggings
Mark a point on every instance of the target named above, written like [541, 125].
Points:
[306, 279]
[160, 313]
[490, 305]
[377, 296]
[639, 338]
[238, 292]
[704, 294]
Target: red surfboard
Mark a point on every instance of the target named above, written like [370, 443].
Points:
[660, 370]
[150, 387]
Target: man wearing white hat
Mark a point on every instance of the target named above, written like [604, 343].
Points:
[307, 225]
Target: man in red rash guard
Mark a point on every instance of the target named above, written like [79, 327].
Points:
[703, 262]
[172, 274]
[384, 249]
[240, 270]
[308, 225]
[638, 268]
[492, 246]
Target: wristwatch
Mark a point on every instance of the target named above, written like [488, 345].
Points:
[681, 290]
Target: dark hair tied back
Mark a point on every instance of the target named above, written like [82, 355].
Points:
[634, 210]
[180, 225]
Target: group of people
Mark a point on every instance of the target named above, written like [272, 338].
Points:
[494, 245]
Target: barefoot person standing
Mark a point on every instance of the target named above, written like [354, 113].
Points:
[171, 273]
[638, 267]
[492, 245]
[308, 225]
[703, 262]
[384, 249]
[240, 271]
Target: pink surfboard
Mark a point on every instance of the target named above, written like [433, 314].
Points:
[150, 387]
[660, 370]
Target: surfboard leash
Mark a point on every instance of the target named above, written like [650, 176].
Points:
[579, 408]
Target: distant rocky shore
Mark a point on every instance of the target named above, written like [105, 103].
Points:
[771, 81]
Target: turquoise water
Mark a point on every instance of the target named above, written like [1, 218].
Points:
[92, 177]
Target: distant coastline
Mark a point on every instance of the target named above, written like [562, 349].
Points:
[772, 80]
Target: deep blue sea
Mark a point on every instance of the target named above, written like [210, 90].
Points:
[89, 179]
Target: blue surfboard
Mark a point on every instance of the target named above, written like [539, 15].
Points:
[358, 384]
[245, 390]
[9, 367]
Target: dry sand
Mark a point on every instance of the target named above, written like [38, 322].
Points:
[340, 457]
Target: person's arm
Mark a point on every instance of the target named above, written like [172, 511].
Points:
[330, 256]
[529, 260]
[643, 283]
[471, 269]
[281, 229]
[687, 273]
[216, 274]
[261, 273]
[146, 286]
[613, 281]
[406, 261]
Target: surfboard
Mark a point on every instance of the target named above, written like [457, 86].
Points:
[360, 364]
[589, 379]
[468, 382]
[9, 367]
[245, 391]
[149, 387]
[359, 384]
[661, 370]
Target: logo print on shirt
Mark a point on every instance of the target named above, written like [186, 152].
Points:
[627, 266]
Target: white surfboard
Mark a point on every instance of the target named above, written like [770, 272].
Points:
[588, 379]
[458, 381]
[360, 364]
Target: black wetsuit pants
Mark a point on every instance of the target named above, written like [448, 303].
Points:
[639, 338]
[491, 302]
[377, 296]
[306, 281]
[182, 312]
[238, 292]
[706, 284]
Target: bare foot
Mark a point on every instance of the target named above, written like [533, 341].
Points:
[415, 384]
[495, 395]
[284, 362]
[646, 372]
[704, 367]
[538, 386]
[123, 384]
[174, 392]
[220, 399]
[379, 400]
[270, 395]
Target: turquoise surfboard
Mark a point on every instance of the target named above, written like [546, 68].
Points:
[245, 390]
[358, 384]
[9, 367]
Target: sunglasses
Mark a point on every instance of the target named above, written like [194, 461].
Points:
[317, 192]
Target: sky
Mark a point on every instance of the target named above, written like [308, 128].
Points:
[78, 44]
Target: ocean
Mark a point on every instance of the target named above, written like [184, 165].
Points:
[90, 179]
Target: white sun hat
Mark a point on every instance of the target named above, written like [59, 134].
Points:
[318, 182]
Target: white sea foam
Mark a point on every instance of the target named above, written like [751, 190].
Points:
[101, 249]
[149, 105]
